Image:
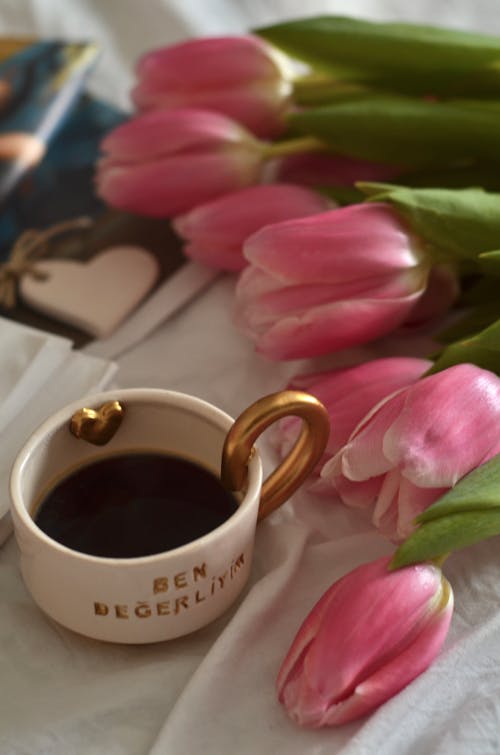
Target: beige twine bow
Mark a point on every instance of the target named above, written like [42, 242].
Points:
[30, 247]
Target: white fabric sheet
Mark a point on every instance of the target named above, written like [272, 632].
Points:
[213, 692]
[39, 374]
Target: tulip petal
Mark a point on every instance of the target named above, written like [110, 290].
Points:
[229, 259]
[167, 132]
[218, 229]
[369, 619]
[437, 439]
[368, 636]
[359, 495]
[441, 292]
[385, 512]
[333, 326]
[350, 393]
[260, 107]
[303, 638]
[209, 62]
[262, 301]
[412, 501]
[252, 283]
[334, 246]
[398, 672]
[239, 214]
[295, 301]
[241, 77]
[493, 451]
[363, 455]
[176, 184]
[378, 377]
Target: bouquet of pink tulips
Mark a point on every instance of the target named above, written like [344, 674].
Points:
[347, 172]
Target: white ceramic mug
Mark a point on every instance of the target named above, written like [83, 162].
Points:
[157, 597]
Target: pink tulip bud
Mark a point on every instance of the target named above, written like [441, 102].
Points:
[242, 77]
[328, 281]
[417, 444]
[368, 637]
[166, 162]
[217, 230]
[348, 394]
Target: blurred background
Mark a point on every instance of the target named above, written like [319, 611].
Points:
[127, 28]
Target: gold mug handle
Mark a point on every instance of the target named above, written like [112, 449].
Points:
[301, 460]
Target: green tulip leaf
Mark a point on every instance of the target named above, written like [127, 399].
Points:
[403, 57]
[459, 225]
[454, 177]
[477, 491]
[489, 262]
[377, 190]
[408, 133]
[470, 322]
[466, 514]
[479, 291]
[343, 195]
[481, 349]
[448, 533]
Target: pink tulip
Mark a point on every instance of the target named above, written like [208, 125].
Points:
[348, 394]
[440, 294]
[317, 169]
[166, 162]
[417, 444]
[217, 230]
[370, 635]
[242, 77]
[328, 281]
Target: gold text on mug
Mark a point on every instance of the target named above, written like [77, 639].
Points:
[144, 609]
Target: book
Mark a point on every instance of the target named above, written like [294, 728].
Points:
[51, 130]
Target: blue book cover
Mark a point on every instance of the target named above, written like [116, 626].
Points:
[50, 135]
[50, 132]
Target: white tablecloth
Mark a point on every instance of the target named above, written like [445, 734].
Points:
[213, 692]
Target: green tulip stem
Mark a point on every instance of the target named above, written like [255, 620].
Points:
[293, 147]
[319, 88]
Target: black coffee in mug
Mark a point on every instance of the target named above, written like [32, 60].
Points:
[134, 504]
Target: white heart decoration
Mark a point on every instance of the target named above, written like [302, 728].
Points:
[95, 296]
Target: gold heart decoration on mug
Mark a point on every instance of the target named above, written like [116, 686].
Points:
[97, 426]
